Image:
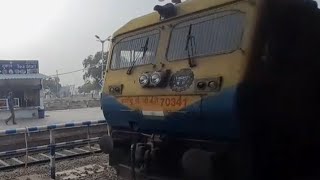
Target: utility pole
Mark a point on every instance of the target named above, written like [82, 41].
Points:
[102, 59]
[57, 83]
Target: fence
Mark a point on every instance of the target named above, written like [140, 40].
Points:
[69, 127]
[61, 104]
[4, 103]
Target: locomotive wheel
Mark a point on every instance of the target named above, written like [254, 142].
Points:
[106, 144]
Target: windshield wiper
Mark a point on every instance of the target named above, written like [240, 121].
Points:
[190, 47]
[145, 49]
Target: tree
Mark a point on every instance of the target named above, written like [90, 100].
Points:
[92, 72]
[53, 84]
[87, 87]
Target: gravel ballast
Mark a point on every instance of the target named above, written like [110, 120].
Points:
[92, 167]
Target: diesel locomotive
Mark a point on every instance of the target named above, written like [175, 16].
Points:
[170, 89]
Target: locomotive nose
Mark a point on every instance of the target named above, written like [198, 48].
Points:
[106, 144]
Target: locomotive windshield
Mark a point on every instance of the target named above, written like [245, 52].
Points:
[134, 51]
[210, 35]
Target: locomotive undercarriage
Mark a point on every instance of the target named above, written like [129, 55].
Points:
[143, 156]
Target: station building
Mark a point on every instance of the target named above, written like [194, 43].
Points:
[22, 78]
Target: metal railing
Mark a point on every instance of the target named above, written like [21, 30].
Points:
[4, 103]
[52, 137]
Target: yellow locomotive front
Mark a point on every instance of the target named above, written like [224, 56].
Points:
[179, 80]
[185, 68]
[174, 73]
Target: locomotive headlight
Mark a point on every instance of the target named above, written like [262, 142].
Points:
[155, 78]
[144, 80]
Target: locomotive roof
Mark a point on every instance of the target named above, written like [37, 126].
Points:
[184, 8]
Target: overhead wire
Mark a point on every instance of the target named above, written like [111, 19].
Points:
[70, 72]
[78, 70]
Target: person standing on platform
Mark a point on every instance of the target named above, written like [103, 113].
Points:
[11, 108]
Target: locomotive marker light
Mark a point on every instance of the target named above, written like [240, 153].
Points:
[201, 85]
[208, 84]
[111, 89]
[116, 89]
[213, 84]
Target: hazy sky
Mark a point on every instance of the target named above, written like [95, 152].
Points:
[60, 33]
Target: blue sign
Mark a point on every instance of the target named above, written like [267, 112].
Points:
[19, 67]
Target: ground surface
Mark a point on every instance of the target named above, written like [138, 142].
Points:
[94, 167]
[56, 117]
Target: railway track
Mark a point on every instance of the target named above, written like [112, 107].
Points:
[35, 145]
[42, 137]
[41, 157]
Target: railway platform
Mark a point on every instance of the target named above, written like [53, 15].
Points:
[56, 117]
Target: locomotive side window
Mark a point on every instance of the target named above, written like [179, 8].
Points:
[211, 35]
[138, 50]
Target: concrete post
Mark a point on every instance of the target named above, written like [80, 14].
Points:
[52, 155]
[26, 134]
[88, 137]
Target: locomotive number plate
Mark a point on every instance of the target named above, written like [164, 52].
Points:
[171, 103]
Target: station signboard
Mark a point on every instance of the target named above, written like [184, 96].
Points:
[19, 67]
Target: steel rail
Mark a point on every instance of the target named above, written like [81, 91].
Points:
[72, 154]
[47, 147]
